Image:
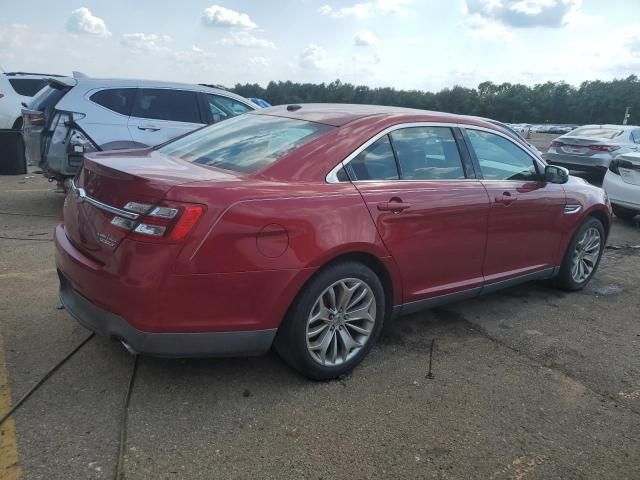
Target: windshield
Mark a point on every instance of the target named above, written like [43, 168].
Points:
[595, 132]
[246, 143]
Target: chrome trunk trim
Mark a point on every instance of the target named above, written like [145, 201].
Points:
[81, 196]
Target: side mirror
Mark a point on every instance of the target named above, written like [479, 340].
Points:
[555, 174]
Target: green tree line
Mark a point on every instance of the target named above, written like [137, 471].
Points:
[551, 102]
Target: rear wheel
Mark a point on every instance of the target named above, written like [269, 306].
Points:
[624, 213]
[17, 125]
[334, 322]
[583, 256]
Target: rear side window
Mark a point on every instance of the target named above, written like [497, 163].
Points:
[27, 86]
[501, 159]
[118, 100]
[167, 104]
[427, 153]
[244, 144]
[376, 162]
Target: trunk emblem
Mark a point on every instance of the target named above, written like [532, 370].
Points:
[108, 240]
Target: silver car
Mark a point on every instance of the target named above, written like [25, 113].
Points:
[73, 116]
[592, 147]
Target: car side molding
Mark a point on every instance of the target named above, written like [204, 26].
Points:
[427, 303]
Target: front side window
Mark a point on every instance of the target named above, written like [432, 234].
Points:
[376, 162]
[224, 107]
[427, 153]
[118, 100]
[245, 144]
[501, 159]
[167, 104]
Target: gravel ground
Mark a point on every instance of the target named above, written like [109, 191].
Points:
[527, 383]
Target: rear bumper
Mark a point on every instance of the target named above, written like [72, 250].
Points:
[620, 192]
[180, 344]
[575, 162]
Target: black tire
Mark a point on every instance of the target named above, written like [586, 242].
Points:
[623, 212]
[291, 340]
[564, 279]
[17, 125]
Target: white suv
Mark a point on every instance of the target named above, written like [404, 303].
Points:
[16, 88]
[73, 116]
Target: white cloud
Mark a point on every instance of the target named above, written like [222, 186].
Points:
[526, 13]
[314, 57]
[217, 16]
[479, 27]
[373, 59]
[145, 42]
[83, 22]
[246, 40]
[260, 62]
[193, 55]
[365, 38]
[382, 7]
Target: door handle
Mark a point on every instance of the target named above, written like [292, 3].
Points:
[150, 128]
[395, 206]
[506, 198]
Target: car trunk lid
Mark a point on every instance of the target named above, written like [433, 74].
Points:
[108, 182]
[583, 146]
[629, 168]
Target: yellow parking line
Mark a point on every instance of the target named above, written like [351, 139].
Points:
[9, 467]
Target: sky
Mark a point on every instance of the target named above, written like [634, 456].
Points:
[406, 44]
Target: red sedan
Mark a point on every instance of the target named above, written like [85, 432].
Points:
[307, 227]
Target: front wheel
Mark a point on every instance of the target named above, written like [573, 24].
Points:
[583, 256]
[334, 322]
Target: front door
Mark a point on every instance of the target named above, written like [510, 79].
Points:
[432, 218]
[525, 219]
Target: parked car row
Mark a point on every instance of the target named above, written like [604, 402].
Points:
[308, 227]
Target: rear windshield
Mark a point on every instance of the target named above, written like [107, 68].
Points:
[595, 132]
[27, 87]
[246, 143]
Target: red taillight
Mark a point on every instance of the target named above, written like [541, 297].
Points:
[186, 221]
[603, 148]
[159, 222]
[556, 144]
[34, 119]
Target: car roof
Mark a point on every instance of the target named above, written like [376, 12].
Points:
[611, 126]
[90, 82]
[339, 114]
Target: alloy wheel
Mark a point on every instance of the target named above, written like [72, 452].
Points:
[341, 322]
[586, 255]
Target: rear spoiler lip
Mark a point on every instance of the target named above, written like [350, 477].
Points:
[62, 83]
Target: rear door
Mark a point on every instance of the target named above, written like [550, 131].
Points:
[429, 210]
[526, 213]
[160, 114]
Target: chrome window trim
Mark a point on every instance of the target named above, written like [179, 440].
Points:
[81, 196]
[332, 176]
